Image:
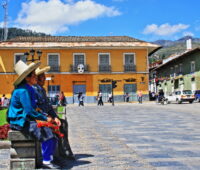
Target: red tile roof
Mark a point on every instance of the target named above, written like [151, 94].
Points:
[76, 39]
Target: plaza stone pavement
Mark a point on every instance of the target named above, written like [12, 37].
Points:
[135, 136]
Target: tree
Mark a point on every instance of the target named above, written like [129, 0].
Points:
[15, 32]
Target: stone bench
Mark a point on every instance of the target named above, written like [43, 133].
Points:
[27, 151]
[10, 160]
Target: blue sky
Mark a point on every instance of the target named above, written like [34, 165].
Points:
[147, 20]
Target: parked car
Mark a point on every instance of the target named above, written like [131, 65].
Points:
[197, 95]
[181, 96]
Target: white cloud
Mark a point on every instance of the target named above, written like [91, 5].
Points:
[54, 16]
[188, 34]
[164, 29]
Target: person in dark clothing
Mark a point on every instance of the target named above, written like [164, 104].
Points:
[100, 99]
[160, 94]
[64, 149]
[80, 99]
[110, 98]
[127, 97]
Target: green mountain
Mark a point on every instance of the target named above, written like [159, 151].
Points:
[172, 47]
[14, 32]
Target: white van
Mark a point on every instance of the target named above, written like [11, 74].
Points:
[181, 96]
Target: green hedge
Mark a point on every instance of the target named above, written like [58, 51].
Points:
[3, 117]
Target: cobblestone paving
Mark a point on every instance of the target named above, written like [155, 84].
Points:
[135, 136]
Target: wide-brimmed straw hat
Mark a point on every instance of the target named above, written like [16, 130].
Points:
[39, 71]
[24, 70]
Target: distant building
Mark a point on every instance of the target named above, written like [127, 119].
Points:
[178, 72]
[83, 64]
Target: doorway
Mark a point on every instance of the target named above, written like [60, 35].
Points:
[105, 90]
[131, 89]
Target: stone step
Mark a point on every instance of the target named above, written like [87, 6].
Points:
[22, 164]
[13, 153]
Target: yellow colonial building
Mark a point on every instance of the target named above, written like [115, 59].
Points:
[82, 64]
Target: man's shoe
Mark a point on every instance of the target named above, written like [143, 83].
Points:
[58, 161]
[69, 155]
[50, 166]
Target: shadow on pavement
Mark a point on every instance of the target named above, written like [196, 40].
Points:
[68, 164]
[80, 156]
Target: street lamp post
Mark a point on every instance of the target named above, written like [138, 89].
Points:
[113, 85]
[48, 79]
[32, 54]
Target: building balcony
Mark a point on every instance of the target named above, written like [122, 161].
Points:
[104, 68]
[54, 69]
[74, 68]
[129, 68]
[176, 74]
[179, 73]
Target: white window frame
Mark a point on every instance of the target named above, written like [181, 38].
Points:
[79, 54]
[134, 57]
[58, 54]
[104, 54]
[15, 54]
[192, 66]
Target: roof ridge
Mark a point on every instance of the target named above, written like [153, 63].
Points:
[74, 39]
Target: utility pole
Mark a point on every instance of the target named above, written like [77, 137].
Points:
[113, 85]
[112, 96]
[5, 29]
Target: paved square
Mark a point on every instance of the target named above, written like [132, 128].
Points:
[135, 136]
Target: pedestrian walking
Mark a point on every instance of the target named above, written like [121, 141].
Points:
[127, 97]
[100, 99]
[110, 98]
[80, 99]
[140, 96]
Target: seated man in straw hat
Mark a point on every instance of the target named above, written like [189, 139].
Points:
[64, 149]
[22, 114]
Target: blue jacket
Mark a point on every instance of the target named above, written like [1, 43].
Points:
[21, 106]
